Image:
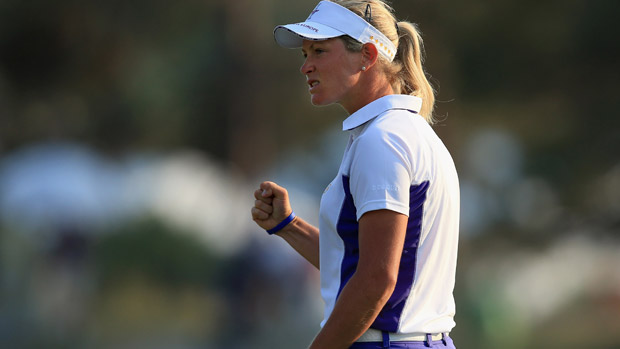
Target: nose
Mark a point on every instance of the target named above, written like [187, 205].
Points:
[307, 67]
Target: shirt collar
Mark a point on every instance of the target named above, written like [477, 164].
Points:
[379, 106]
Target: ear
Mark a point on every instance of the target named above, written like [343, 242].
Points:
[369, 55]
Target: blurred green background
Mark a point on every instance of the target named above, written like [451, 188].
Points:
[133, 133]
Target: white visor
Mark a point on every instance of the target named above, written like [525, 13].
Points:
[329, 20]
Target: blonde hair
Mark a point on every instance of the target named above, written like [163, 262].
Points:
[406, 73]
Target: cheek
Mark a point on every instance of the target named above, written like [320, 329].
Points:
[343, 83]
[337, 79]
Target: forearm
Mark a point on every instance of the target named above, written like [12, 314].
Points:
[358, 305]
[304, 238]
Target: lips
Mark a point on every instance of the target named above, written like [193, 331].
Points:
[312, 83]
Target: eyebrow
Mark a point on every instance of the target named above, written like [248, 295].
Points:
[311, 46]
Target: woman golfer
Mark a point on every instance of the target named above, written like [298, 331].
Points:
[386, 245]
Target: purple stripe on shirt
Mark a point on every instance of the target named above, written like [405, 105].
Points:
[389, 317]
[348, 230]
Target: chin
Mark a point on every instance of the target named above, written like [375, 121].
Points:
[317, 101]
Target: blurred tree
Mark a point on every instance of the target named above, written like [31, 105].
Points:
[151, 250]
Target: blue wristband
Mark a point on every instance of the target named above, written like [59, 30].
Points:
[282, 224]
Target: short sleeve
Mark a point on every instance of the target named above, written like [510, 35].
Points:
[380, 172]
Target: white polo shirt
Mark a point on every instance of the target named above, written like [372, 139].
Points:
[395, 161]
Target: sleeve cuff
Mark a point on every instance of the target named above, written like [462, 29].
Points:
[382, 205]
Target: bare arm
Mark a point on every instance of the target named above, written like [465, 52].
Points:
[304, 238]
[271, 207]
[381, 240]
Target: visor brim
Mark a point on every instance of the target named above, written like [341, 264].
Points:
[293, 35]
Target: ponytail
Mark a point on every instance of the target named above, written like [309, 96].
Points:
[405, 73]
[410, 78]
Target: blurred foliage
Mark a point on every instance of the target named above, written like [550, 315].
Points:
[135, 75]
[149, 249]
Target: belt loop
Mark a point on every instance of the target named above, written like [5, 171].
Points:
[443, 339]
[429, 340]
[386, 339]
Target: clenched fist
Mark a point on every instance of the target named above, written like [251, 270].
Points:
[272, 205]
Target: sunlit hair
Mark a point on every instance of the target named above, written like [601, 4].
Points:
[406, 73]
